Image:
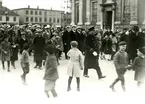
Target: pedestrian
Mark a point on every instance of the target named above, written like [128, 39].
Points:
[121, 62]
[92, 54]
[6, 52]
[15, 50]
[38, 47]
[75, 64]
[139, 66]
[51, 73]
[25, 63]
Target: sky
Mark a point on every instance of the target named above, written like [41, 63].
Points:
[43, 4]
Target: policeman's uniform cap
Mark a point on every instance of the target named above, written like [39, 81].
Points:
[92, 28]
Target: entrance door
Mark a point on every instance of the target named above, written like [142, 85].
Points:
[108, 19]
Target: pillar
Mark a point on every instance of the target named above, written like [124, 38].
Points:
[80, 12]
[134, 12]
[73, 12]
[88, 11]
[113, 17]
[144, 17]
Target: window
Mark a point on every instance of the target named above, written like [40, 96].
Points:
[126, 18]
[50, 20]
[40, 13]
[0, 18]
[35, 12]
[94, 12]
[27, 12]
[45, 13]
[7, 18]
[54, 20]
[45, 19]
[14, 19]
[40, 19]
[31, 19]
[31, 12]
[58, 20]
[36, 20]
[27, 19]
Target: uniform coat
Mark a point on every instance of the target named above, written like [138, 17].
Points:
[91, 46]
[139, 68]
[75, 63]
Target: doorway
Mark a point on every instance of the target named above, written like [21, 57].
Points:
[109, 19]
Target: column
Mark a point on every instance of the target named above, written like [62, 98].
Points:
[73, 12]
[134, 12]
[118, 12]
[113, 15]
[88, 10]
[102, 11]
[80, 12]
[144, 17]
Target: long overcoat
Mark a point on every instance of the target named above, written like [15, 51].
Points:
[91, 45]
[38, 46]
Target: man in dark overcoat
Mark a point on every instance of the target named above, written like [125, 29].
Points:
[92, 54]
[73, 35]
[66, 40]
[38, 46]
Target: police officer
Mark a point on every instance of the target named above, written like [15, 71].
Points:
[92, 54]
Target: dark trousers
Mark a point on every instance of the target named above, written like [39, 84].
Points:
[39, 63]
[97, 68]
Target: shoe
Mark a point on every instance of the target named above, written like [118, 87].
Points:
[102, 77]
[86, 76]
[35, 67]
[25, 83]
[8, 70]
[78, 89]
[68, 89]
[22, 78]
[112, 88]
[40, 68]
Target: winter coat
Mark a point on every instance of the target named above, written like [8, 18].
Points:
[75, 63]
[51, 64]
[139, 68]
[38, 46]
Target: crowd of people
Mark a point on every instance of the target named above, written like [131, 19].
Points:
[47, 43]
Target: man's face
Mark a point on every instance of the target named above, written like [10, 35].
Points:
[73, 28]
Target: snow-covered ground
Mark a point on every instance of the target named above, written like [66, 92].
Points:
[92, 90]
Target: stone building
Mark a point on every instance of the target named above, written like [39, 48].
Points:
[7, 16]
[40, 16]
[111, 14]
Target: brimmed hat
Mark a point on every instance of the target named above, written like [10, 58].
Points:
[47, 26]
[142, 50]
[122, 43]
[38, 31]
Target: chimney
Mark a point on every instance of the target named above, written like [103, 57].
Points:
[37, 7]
[28, 6]
[0, 3]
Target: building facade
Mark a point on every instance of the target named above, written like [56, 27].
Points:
[40, 16]
[7, 16]
[111, 14]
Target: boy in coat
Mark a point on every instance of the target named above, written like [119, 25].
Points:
[75, 64]
[121, 64]
[51, 73]
[139, 66]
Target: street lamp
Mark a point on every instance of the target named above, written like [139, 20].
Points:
[6, 13]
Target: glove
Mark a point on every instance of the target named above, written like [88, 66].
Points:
[95, 53]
